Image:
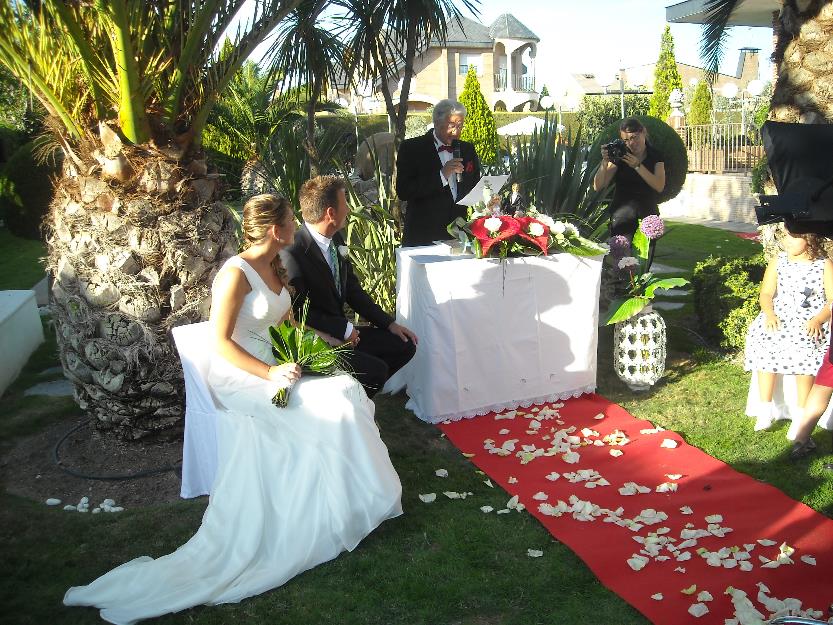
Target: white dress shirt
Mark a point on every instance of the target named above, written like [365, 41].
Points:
[324, 245]
[445, 156]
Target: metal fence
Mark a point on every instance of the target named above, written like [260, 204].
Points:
[722, 148]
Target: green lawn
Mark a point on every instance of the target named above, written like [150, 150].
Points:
[441, 564]
[20, 264]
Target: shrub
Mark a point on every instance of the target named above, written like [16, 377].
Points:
[760, 174]
[726, 294]
[701, 105]
[666, 77]
[10, 140]
[596, 112]
[479, 128]
[665, 139]
[25, 192]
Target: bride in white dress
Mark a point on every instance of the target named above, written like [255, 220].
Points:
[295, 486]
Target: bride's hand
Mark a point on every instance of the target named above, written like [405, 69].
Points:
[285, 374]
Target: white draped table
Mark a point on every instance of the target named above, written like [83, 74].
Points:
[495, 334]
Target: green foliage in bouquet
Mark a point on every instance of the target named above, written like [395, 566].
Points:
[294, 343]
[642, 284]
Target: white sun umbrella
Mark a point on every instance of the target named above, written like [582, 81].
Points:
[524, 126]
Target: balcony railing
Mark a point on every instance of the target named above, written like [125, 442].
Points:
[719, 148]
[519, 83]
[500, 81]
[523, 83]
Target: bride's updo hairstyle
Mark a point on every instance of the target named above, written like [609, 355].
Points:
[260, 213]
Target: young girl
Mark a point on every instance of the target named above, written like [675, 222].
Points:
[790, 335]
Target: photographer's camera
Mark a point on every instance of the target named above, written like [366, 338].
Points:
[616, 149]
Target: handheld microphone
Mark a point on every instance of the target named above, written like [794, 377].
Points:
[456, 152]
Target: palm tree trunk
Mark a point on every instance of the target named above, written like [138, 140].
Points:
[804, 60]
[130, 260]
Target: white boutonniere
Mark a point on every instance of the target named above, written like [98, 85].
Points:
[342, 251]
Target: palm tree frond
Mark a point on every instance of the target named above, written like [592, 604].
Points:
[715, 34]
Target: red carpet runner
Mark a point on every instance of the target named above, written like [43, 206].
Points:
[688, 548]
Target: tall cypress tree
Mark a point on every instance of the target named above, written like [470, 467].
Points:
[666, 77]
[701, 105]
[480, 128]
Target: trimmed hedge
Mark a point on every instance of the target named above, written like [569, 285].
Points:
[25, 192]
[726, 292]
[665, 139]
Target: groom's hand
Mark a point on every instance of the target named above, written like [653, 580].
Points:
[403, 333]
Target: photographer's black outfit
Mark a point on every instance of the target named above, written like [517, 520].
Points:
[633, 198]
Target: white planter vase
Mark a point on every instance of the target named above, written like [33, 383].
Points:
[639, 349]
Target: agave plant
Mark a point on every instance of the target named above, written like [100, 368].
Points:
[135, 232]
[556, 178]
[372, 236]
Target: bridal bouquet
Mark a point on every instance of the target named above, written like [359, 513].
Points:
[642, 285]
[295, 343]
[491, 234]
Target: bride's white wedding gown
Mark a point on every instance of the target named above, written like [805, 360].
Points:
[295, 486]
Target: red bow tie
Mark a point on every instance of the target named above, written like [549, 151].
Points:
[445, 148]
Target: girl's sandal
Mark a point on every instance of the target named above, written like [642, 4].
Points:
[802, 449]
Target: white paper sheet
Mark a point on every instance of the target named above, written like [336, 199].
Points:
[475, 196]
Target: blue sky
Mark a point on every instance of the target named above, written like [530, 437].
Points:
[593, 36]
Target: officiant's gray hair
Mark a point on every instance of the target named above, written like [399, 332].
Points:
[445, 109]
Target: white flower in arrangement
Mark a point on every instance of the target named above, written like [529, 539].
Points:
[559, 227]
[546, 220]
[627, 261]
[487, 194]
[493, 224]
[343, 250]
[570, 229]
[536, 229]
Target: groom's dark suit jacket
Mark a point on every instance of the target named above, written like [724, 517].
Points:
[430, 206]
[310, 276]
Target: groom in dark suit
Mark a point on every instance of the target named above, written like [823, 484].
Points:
[433, 172]
[319, 270]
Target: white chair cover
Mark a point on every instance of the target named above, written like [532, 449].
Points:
[199, 447]
[784, 399]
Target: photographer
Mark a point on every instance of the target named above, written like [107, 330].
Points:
[639, 173]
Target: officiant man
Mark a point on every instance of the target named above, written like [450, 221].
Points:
[320, 271]
[434, 171]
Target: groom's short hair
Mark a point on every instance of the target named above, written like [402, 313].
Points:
[317, 194]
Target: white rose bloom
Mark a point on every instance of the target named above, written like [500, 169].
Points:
[536, 229]
[572, 230]
[559, 227]
[546, 220]
[628, 261]
[493, 224]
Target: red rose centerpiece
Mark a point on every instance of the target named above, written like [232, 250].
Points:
[494, 229]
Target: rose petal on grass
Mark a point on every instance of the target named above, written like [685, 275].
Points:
[486, 509]
[504, 511]
[465, 455]
[428, 497]
[452, 495]
[669, 443]
[441, 473]
[534, 553]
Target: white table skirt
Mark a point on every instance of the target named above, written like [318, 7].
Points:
[495, 334]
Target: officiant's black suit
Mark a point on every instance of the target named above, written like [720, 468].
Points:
[379, 353]
[430, 206]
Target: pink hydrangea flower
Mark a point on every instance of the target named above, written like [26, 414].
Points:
[652, 227]
[619, 246]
